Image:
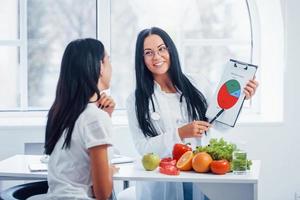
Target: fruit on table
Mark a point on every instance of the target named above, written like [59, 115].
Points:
[185, 161]
[220, 166]
[167, 161]
[201, 162]
[220, 149]
[179, 150]
[150, 161]
[169, 170]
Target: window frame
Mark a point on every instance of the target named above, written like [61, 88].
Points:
[103, 13]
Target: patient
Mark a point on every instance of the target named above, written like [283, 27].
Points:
[78, 130]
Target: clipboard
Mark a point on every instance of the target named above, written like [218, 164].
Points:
[227, 102]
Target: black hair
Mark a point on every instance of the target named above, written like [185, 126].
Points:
[78, 79]
[195, 100]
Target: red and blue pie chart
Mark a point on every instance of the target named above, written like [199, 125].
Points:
[229, 94]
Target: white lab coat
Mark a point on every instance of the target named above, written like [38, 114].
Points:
[161, 145]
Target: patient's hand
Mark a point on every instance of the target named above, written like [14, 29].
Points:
[106, 103]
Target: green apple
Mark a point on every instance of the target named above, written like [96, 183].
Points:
[150, 161]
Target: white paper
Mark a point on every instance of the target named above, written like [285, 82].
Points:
[122, 159]
[233, 71]
[38, 167]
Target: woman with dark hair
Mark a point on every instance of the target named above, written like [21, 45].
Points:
[79, 126]
[166, 108]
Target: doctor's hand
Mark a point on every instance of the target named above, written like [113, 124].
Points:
[106, 103]
[250, 88]
[193, 129]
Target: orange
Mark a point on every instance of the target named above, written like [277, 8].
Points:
[201, 162]
[185, 161]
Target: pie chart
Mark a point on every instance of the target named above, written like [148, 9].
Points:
[229, 94]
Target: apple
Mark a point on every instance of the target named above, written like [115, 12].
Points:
[150, 161]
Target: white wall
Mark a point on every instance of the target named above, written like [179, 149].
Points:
[276, 145]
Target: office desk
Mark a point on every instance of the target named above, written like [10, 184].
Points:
[216, 187]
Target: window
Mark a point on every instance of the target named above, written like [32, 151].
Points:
[36, 38]
[9, 54]
[51, 25]
[207, 33]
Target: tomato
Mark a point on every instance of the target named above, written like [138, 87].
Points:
[179, 150]
[220, 166]
[167, 161]
[169, 170]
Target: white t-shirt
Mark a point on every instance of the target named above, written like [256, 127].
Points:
[69, 175]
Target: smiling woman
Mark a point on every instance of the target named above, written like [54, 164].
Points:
[210, 32]
[156, 56]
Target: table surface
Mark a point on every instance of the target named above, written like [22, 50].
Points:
[17, 167]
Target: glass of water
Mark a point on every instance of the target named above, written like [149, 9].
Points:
[239, 162]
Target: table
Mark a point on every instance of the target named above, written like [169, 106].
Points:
[216, 187]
